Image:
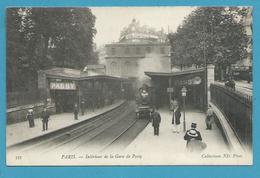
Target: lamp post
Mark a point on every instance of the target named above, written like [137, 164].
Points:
[183, 94]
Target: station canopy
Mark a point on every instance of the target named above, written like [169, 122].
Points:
[185, 77]
[74, 74]
[174, 74]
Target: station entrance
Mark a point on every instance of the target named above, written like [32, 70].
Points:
[64, 94]
[167, 86]
[64, 100]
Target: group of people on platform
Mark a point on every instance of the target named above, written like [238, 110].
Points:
[192, 136]
[44, 116]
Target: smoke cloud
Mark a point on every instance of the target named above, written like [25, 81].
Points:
[151, 63]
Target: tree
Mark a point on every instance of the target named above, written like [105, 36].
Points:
[212, 35]
[47, 37]
[15, 52]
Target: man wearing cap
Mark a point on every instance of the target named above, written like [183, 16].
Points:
[176, 115]
[156, 118]
[45, 119]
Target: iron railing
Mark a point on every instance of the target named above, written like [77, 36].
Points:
[237, 107]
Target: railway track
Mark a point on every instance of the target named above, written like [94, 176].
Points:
[61, 137]
[127, 136]
[97, 137]
[112, 130]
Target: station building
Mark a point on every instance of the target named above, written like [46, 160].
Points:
[138, 47]
[169, 85]
[66, 87]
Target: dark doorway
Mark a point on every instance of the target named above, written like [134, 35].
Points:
[64, 100]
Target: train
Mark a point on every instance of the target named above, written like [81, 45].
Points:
[144, 107]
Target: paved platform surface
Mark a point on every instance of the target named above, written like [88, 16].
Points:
[213, 138]
[19, 132]
[170, 147]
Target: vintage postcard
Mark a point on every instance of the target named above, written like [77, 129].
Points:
[129, 86]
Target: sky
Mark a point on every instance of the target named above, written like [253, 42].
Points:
[111, 20]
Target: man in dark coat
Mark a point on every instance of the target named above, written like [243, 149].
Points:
[176, 115]
[45, 119]
[156, 118]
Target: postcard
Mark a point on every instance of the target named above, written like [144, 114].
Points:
[168, 85]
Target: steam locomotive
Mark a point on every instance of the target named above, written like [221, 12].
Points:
[144, 103]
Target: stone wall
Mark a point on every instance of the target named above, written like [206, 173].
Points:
[18, 114]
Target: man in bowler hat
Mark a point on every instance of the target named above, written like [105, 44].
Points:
[156, 118]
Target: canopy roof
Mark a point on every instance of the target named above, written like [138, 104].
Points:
[172, 74]
[74, 74]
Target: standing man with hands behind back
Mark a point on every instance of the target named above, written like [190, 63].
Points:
[156, 118]
[176, 115]
[45, 118]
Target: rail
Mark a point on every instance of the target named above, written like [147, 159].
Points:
[237, 107]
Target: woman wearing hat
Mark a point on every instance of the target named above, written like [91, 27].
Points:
[194, 140]
[192, 134]
[30, 118]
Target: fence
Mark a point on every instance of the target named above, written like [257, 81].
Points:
[15, 99]
[237, 107]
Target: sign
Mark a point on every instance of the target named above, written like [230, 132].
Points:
[170, 90]
[193, 81]
[62, 86]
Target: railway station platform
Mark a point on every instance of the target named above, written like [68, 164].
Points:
[170, 148]
[19, 132]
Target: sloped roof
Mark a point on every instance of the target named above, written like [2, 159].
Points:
[172, 74]
[74, 74]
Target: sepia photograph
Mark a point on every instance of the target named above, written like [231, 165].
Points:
[136, 86]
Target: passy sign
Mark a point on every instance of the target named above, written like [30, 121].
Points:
[62, 86]
[192, 81]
